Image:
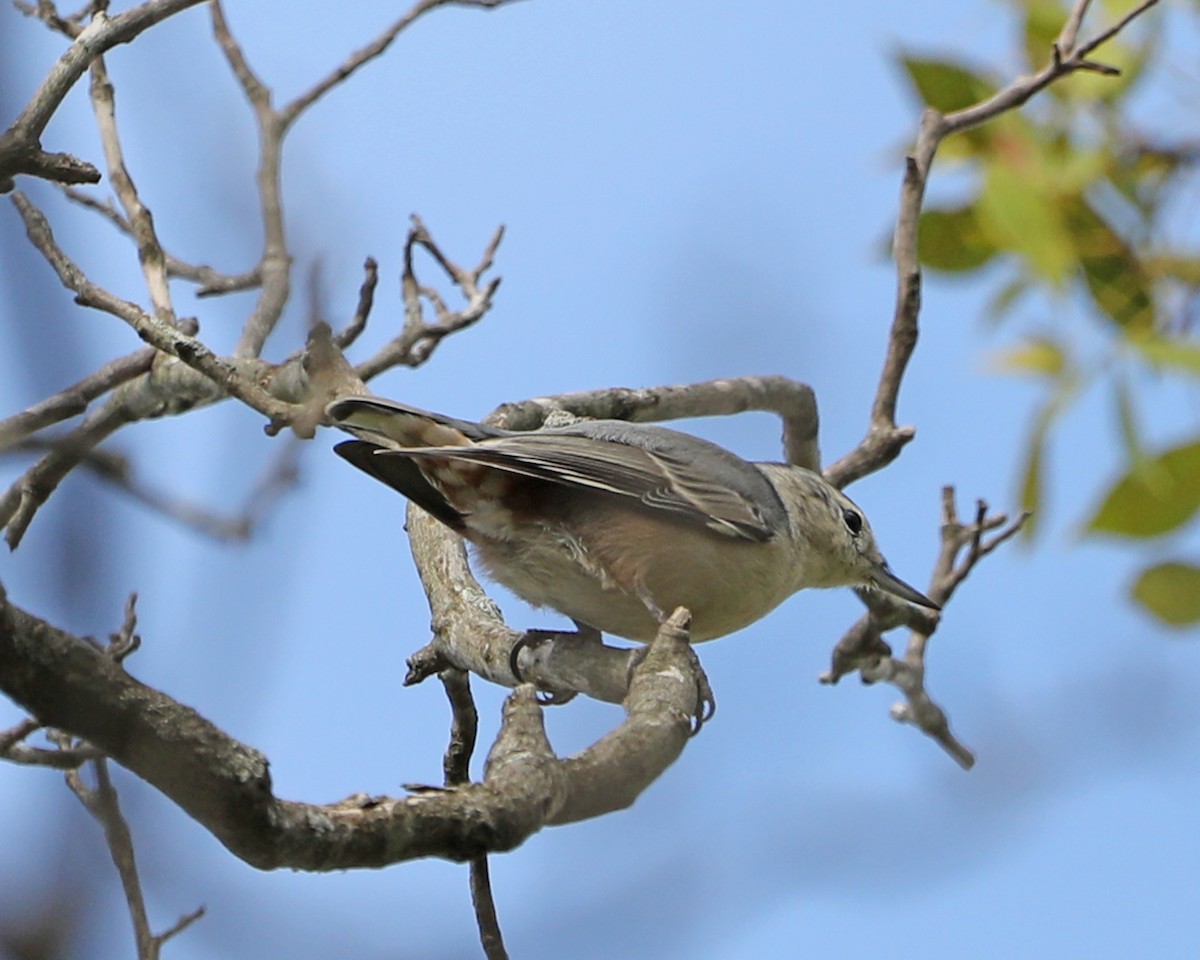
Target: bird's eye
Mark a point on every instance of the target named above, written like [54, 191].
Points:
[853, 520]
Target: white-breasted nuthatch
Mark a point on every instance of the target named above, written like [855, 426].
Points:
[615, 524]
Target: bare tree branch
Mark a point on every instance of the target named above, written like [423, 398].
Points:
[20, 145]
[210, 282]
[372, 50]
[792, 401]
[299, 377]
[456, 764]
[884, 439]
[862, 648]
[225, 786]
[418, 338]
[154, 331]
[149, 250]
[102, 803]
[74, 399]
[282, 393]
[274, 267]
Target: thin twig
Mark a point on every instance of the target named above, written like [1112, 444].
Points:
[464, 723]
[163, 336]
[419, 338]
[366, 299]
[1070, 30]
[485, 910]
[47, 12]
[149, 249]
[273, 269]
[280, 474]
[22, 500]
[20, 144]
[211, 282]
[884, 439]
[14, 750]
[65, 759]
[74, 399]
[11, 737]
[375, 48]
[863, 648]
[274, 265]
[1062, 63]
[102, 803]
[126, 640]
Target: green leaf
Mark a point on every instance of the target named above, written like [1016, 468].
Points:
[1015, 215]
[1037, 355]
[1076, 168]
[1032, 473]
[1031, 483]
[950, 240]
[1170, 591]
[1005, 299]
[1164, 352]
[1127, 421]
[1114, 276]
[1144, 178]
[1129, 53]
[1179, 267]
[1043, 21]
[1157, 495]
[945, 85]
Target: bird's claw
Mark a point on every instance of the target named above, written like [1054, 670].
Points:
[531, 638]
[706, 700]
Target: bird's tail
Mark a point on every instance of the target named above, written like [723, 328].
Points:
[385, 430]
[398, 426]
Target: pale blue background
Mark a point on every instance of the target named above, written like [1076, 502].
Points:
[691, 191]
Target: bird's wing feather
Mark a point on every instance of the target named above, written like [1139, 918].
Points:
[738, 501]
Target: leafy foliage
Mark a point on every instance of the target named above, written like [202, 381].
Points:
[1072, 200]
[1171, 591]
[1156, 496]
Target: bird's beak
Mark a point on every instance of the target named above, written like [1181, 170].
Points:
[888, 582]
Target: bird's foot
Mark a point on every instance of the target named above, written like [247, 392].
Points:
[534, 638]
[706, 700]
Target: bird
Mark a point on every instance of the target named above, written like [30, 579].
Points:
[615, 524]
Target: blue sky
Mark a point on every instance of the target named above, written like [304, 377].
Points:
[690, 191]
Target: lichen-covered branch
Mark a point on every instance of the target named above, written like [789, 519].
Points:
[69, 684]
[792, 401]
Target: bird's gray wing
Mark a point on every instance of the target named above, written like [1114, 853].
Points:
[663, 469]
